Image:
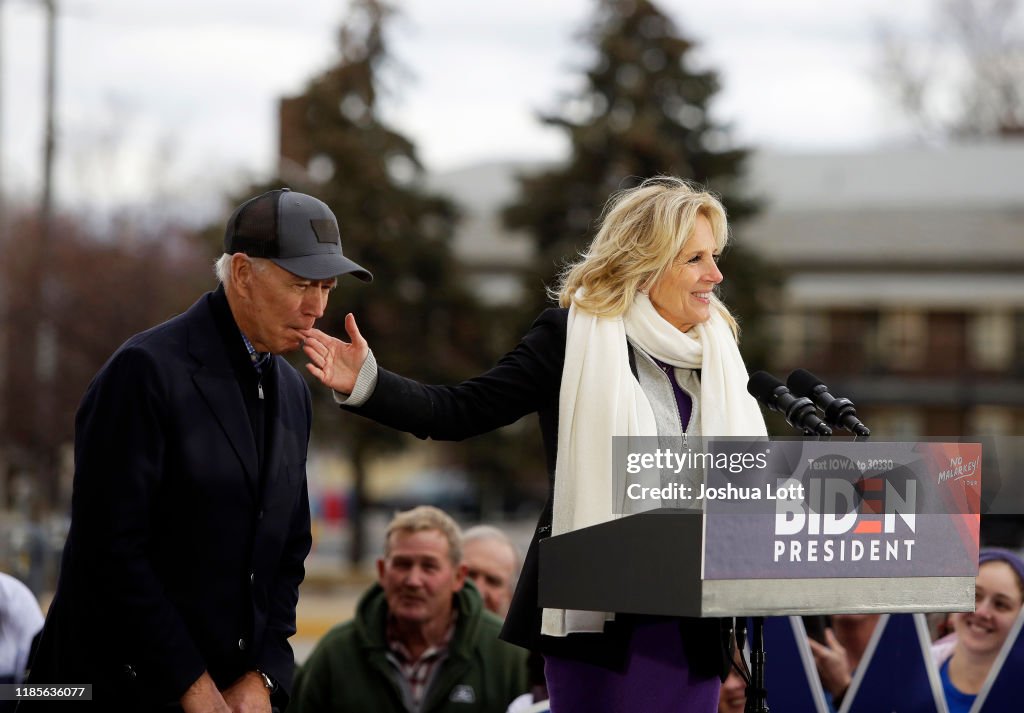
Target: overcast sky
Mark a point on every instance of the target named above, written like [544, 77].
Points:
[177, 98]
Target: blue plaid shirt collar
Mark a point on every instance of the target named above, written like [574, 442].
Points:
[259, 359]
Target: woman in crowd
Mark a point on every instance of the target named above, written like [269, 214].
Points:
[966, 657]
[733, 696]
[641, 346]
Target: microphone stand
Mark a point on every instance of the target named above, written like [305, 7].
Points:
[757, 694]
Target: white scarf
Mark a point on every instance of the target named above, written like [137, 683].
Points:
[600, 398]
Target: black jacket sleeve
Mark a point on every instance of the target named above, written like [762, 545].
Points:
[524, 380]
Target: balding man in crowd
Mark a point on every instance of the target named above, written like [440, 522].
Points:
[492, 563]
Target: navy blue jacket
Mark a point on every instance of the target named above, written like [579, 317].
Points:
[187, 539]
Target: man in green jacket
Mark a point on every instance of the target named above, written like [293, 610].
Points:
[421, 640]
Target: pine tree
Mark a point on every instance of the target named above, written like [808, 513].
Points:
[417, 315]
[643, 110]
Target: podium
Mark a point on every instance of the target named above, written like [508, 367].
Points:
[780, 529]
[813, 528]
[655, 563]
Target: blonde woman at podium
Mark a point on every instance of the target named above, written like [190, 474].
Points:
[966, 656]
[640, 346]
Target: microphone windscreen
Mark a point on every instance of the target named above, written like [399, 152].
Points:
[802, 382]
[762, 385]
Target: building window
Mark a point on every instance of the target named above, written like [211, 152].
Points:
[897, 424]
[1018, 349]
[991, 339]
[803, 336]
[991, 421]
[902, 336]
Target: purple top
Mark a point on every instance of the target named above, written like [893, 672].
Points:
[657, 677]
[683, 401]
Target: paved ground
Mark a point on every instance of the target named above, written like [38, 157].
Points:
[324, 603]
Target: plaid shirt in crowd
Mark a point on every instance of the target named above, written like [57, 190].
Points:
[416, 674]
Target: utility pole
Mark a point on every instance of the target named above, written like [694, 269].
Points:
[5, 323]
[49, 138]
[46, 332]
[3, 198]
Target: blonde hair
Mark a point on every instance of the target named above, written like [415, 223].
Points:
[422, 518]
[642, 231]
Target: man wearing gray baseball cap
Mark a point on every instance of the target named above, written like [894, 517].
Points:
[190, 516]
[292, 230]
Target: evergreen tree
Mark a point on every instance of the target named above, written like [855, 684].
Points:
[643, 110]
[417, 315]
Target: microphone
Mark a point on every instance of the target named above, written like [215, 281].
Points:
[799, 412]
[839, 413]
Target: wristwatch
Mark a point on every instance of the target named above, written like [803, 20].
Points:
[268, 682]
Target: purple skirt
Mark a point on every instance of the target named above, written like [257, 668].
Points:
[657, 678]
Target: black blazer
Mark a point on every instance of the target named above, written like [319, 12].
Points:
[526, 379]
[183, 554]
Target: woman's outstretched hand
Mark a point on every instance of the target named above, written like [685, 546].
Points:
[334, 362]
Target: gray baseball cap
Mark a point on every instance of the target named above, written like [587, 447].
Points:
[293, 230]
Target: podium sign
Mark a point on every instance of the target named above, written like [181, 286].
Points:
[778, 528]
[845, 509]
